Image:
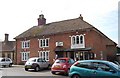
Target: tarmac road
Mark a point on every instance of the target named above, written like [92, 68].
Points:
[17, 71]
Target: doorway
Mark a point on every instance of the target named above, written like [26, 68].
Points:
[82, 55]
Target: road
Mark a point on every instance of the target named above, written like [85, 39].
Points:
[19, 72]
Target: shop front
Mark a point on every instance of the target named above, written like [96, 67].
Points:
[76, 54]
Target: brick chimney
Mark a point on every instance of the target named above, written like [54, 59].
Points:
[81, 17]
[41, 20]
[6, 37]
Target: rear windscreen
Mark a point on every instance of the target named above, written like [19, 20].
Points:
[60, 61]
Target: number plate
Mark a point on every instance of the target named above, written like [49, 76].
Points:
[57, 66]
[28, 66]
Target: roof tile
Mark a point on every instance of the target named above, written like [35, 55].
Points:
[55, 27]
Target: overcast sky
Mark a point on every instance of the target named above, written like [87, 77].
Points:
[16, 16]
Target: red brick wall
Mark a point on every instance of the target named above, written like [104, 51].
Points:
[92, 39]
[34, 47]
[18, 50]
[96, 41]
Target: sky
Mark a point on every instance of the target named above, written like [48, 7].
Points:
[17, 16]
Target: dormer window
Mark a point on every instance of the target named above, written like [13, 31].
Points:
[77, 41]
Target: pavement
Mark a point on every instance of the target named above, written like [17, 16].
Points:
[21, 66]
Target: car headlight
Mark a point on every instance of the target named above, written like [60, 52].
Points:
[64, 66]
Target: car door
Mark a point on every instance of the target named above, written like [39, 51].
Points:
[85, 69]
[7, 61]
[39, 62]
[3, 61]
[44, 63]
[103, 71]
[70, 62]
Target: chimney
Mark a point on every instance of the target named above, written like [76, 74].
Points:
[81, 17]
[41, 20]
[6, 37]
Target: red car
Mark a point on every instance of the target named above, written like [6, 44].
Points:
[62, 65]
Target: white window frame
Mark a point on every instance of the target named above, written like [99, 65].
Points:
[43, 41]
[74, 44]
[25, 56]
[25, 44]
[44, 54]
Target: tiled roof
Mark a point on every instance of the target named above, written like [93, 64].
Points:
[55, 27]
[8, 46]
[60, 27]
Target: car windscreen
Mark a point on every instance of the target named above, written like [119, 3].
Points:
[1, 59]
[32, 60]
[60, 61]
[115, 65]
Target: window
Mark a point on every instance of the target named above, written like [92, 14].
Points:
[73, 40]
[3, 55]
[60, 61]
[7, 59]
[44, 43]
[77, 41]
[47, 41]
[25, 56]
[87, 65]
[39, 60]
[44, 55]
[102, 67]
[26, 44]
[71, 61]
[9, 55]
[81, 39]
[2, 60]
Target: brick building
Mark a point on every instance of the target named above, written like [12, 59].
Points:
[74, 38]
[8, 49]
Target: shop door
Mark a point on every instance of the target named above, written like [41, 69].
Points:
[82, 55]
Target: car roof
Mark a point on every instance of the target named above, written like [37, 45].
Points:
[64, 58]
[4, 57]
[1, 58]
[102, 61]
[34, 57]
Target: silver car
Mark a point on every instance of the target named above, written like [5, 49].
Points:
[4, 62]
[36, 63]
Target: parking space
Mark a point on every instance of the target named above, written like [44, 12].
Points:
[18, 70]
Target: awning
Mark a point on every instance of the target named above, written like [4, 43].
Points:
[79, 49]
[62, 49]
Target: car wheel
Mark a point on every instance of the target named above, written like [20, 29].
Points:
[26, 69]
[37, 68]
[66, 73]
[75, 76]
[10, 65]
[3, 65]
[53, 72]
[48, 66]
